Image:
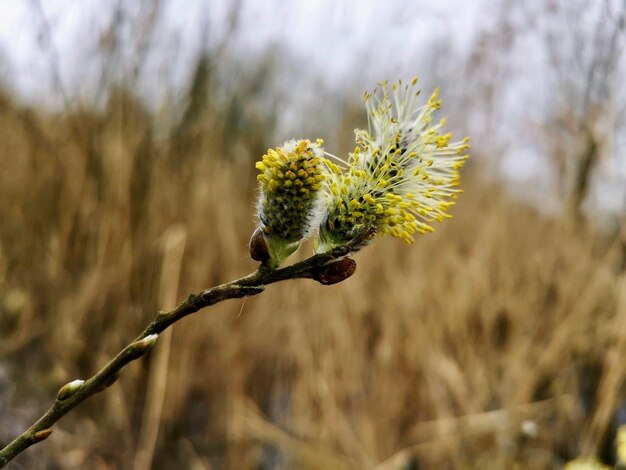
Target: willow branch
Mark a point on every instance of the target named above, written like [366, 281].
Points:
[77, 391]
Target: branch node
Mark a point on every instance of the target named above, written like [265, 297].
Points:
[160, 314]
[204, 296]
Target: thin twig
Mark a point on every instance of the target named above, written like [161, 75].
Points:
[77, 391]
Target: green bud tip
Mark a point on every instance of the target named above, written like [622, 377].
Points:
[69, 389]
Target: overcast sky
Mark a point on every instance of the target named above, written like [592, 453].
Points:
[362, 40]
[342, 47]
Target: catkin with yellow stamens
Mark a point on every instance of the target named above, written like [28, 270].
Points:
[289, 206]
[402, 176]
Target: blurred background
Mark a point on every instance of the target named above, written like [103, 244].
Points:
[128, 136]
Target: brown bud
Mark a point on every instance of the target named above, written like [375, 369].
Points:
[41, 435]
[258, 247]
[335, 272]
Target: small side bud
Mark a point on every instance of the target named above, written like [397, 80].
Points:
[258, 247]
[69, 389]
[41, 435]
[142, 346]
[335, 272]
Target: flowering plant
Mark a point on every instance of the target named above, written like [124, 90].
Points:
[402, 176]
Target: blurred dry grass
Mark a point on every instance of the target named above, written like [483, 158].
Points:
[497, 342]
